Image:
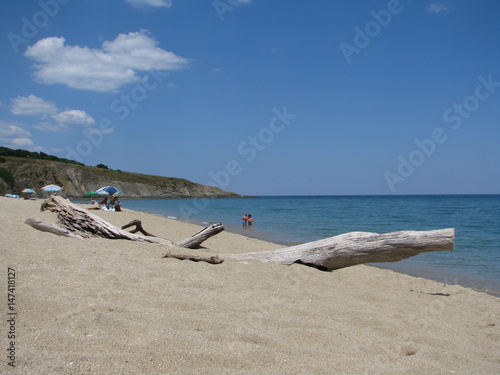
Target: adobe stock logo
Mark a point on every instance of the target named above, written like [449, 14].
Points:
[363, 37]
[122, 108]
[251, 146]
[223, 6]
[30, 26]
[249, 149]
[426, 147]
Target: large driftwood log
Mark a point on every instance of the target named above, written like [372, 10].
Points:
[354, 248]
[328, 254]
[77, 222]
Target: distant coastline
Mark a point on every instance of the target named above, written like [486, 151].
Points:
[18, 173]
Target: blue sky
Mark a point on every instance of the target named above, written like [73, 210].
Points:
[261, 97]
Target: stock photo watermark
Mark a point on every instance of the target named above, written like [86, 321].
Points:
[363, 36]
[30, 26]
[122, 107]
[252, 146]
[11, 317]
[455, 116]
[223, 6]
[249, 149]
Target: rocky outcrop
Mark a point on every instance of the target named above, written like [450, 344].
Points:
[77, 180]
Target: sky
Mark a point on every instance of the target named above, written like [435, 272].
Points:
[261, 97]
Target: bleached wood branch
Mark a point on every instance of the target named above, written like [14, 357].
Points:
[354, 248]
[214, 259]
[197, 239]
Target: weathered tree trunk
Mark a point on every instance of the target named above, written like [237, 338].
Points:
[78, 222]
[328, 254]
[354, 248]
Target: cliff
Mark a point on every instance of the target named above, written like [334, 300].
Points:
[17, 174]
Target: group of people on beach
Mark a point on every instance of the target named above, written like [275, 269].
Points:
[110, 205]
[247, 220]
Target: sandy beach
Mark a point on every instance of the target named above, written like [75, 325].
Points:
[99, 306]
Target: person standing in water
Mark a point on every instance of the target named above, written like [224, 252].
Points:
[249, 220]
[245, 220]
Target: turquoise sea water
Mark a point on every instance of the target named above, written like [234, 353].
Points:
[475, 262]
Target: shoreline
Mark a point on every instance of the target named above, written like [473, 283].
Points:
[411, 269]
[115, 306]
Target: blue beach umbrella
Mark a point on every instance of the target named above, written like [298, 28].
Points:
[28, 191]
[108, 190]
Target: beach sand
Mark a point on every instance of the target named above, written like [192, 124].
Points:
[99, 306]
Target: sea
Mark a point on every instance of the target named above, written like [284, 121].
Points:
[290, 220]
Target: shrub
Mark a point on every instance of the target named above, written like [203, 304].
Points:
[7, 177]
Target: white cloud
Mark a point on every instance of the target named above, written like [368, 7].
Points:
[11, 130]
[51, 127]
[151, 3]
[13, 136]
[107, 69]
[63, 120]
[74, 117]
[32, 105]
[438, 7]
[16, 142]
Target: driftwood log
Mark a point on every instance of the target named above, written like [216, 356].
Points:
[354, 248]
[214, 259]
[76, 222]
[331, 253]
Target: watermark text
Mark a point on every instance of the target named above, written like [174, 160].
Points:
[455, 115]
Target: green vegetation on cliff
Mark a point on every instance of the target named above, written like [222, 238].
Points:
[5, 151]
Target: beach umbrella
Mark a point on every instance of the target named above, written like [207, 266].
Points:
[51, 188]
[28, 191]
[108, 190]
